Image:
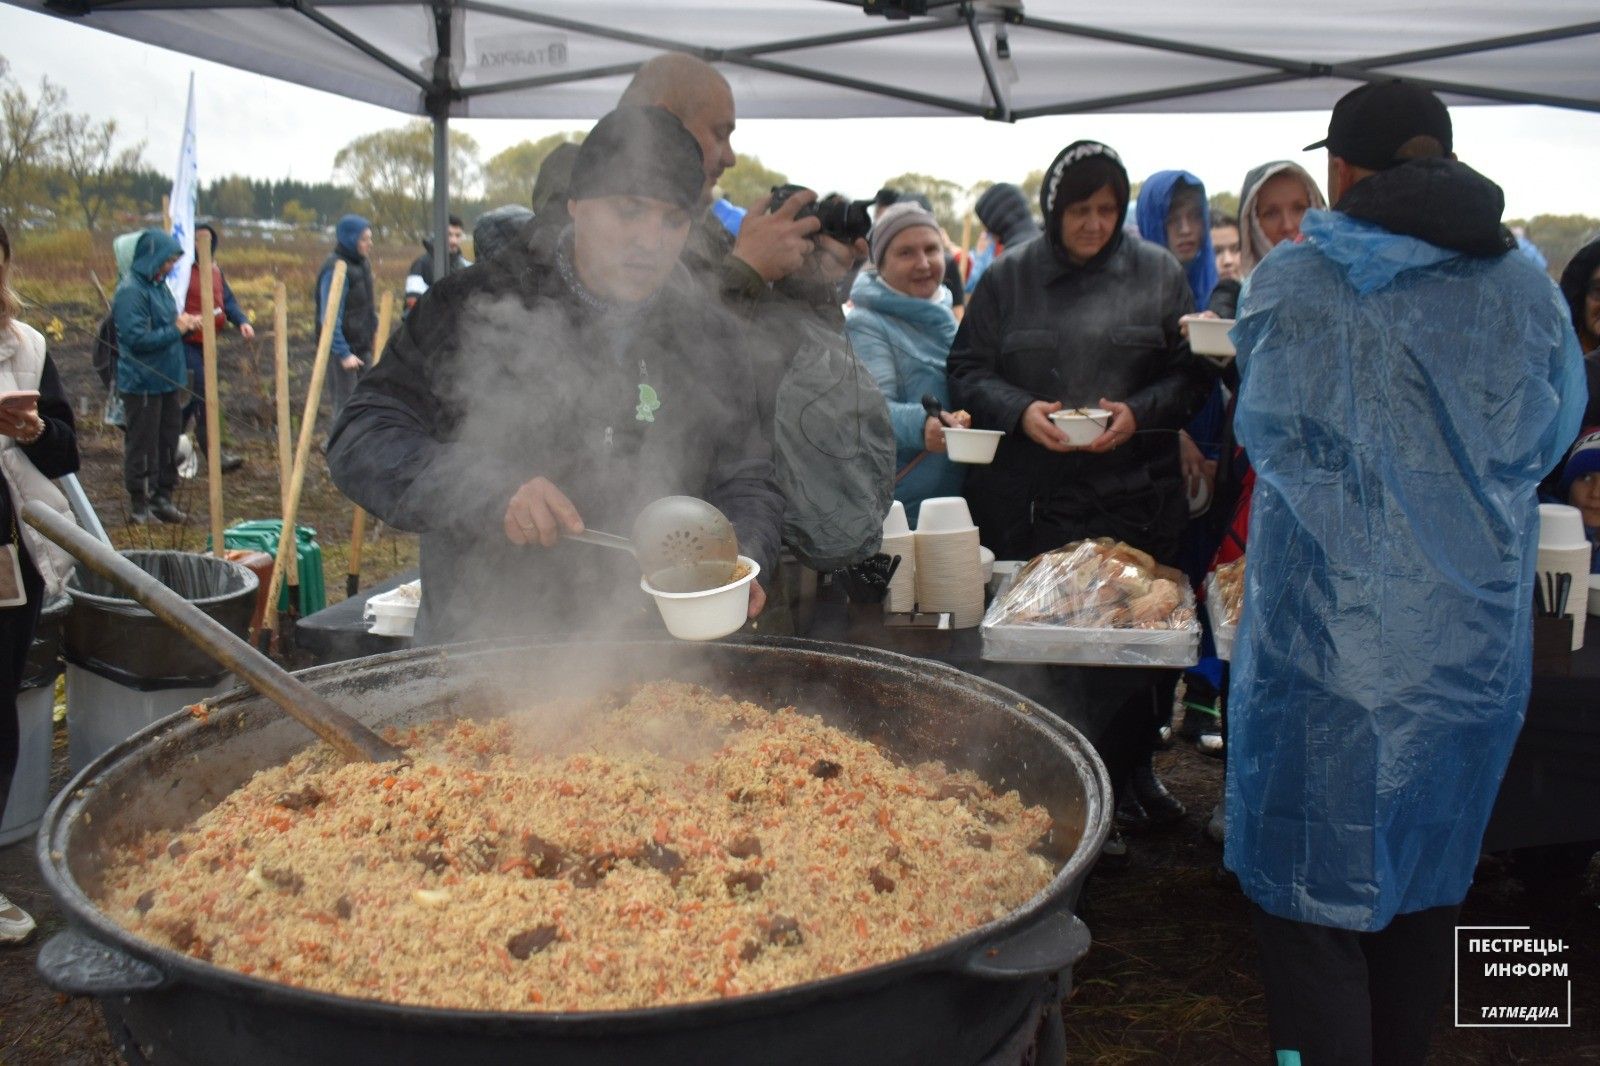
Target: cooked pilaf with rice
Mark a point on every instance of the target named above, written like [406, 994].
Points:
[665, 846]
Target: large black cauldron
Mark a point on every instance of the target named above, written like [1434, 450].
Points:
[953, 1004]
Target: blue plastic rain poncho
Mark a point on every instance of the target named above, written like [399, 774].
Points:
[903, 341]
[1400, 402]
[1150, 214]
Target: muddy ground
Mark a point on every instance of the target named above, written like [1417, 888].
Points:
[1172, 975]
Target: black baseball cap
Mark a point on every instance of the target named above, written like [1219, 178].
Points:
[1370, 123]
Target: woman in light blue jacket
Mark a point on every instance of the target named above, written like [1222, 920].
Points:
[901, 327]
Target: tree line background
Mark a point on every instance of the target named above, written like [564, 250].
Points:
[60, 169]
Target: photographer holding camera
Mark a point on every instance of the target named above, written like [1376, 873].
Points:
[779, 251]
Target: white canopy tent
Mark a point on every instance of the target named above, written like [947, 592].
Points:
[998, 59]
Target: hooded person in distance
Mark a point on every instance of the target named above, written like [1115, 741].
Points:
[355, 325]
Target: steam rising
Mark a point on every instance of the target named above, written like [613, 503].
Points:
[617, 407]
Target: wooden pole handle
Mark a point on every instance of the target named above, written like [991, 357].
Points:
[302, 455]
[280, 314]
[208, 345]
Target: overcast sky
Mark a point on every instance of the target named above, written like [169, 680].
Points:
[1545, 159]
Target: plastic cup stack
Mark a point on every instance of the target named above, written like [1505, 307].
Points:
[1564, 550]
[898, 540]
[949, 576]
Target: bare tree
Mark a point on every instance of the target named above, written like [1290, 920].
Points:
[508, 177]
[392, 171]
[28, 138]
[94, 169]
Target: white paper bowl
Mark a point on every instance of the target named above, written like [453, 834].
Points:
[1209, 336]
[1082, 427]
[972, 445]
[706, 615]
[895, 523]
[944, 514]
[986, 563]
[1560, 526]
[393, 613]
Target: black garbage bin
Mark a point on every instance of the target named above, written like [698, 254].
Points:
[125, 667]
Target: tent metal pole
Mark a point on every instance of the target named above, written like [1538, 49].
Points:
[360, 44]
[540, 82]
[1106, 103]
[439, 112]
[997, 93]
[441, 195]
[735, 56]
[959, 107]
[1488, 44]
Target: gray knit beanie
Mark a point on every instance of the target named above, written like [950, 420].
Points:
[893, 221]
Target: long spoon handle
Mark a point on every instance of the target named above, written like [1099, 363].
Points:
[604, 540]
[352, 739]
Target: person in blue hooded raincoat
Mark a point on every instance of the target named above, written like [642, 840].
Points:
[1172, 211]
[151, 374]
[901, 327]
[355, 326]
[1406, 382]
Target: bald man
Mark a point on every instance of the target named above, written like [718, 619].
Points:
[769, 247]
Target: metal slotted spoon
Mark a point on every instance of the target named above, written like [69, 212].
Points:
[682, 544]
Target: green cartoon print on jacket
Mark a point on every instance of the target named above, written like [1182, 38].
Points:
[649, 403]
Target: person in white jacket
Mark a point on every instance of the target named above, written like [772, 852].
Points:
[37, 443]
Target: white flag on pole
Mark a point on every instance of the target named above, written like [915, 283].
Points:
[185, 186]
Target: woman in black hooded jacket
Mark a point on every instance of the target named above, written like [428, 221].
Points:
[1085, 317]
[1580, 284]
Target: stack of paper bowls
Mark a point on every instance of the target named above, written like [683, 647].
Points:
[949, 575]
[1564, 550]
[898, 540]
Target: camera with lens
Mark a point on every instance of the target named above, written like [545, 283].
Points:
[844, 220]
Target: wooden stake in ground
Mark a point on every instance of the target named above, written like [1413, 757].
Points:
[280, 352]
[101, 289]
[966, 248]
[208, 335]
[302, 452]
[358, 525]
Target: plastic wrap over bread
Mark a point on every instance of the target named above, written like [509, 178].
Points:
[1095, 584]
[1224, 602]
[1225, 595]
[1094, 602]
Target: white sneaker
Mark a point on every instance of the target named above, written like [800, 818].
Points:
[15, 923]
[1217, 827]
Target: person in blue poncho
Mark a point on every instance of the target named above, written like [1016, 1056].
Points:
[901, 327]
[1406, 382]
